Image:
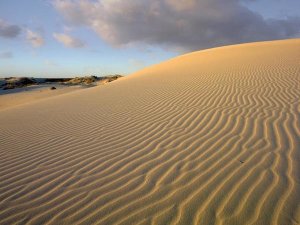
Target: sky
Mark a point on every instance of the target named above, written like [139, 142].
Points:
[66, 38]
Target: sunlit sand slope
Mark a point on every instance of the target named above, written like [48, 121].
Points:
[211, 137]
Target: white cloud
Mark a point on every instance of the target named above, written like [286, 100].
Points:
[34, 38]
[179, 24]
[69, 41]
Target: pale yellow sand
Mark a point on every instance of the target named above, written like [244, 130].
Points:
[20, 96]
[211, 137]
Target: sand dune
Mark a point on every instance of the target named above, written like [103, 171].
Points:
[25, 95]
[211, 137]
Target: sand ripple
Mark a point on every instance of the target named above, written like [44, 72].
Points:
[211, 137]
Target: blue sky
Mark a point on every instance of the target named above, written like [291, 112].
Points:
[61, 38]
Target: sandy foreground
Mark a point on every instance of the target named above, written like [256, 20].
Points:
[211, 137]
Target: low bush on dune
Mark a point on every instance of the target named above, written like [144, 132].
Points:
[82, 80]
[16, 82]
[89, 80]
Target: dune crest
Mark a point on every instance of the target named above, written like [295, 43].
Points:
[210, 137]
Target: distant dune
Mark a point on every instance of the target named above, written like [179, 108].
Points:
[211, 137]
[16, 91]
[20, 82]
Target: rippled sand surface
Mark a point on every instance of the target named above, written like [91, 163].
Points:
[211, 137]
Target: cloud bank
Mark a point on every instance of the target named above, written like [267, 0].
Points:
[8, 30]
[179, 24]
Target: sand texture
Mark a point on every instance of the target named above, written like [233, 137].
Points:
[211, 137]
[25, 95]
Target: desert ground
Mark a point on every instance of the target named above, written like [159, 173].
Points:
[210, 137]
[25, 95]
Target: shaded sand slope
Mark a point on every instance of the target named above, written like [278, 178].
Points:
[211, 137]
